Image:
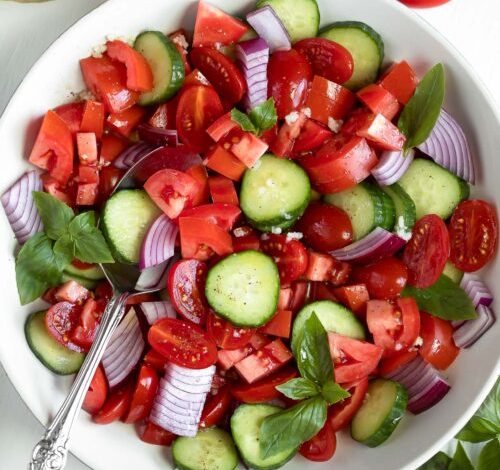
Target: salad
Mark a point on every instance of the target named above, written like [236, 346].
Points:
[305, 218]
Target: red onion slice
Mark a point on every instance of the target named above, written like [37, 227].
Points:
[448, 146]
[154, 311]
[20, 206]
[153, 278]
[132, 155]
[268, 26]
[471, 330]
[207, 372]
[376, 245]
[392, 166]
[158, 245]
[157, 136]
[476, 290]
[252, 50]
[124, 349]
[434, 393]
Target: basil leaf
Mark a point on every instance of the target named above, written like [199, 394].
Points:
[243, 120]
[64, 251]
[55, 215]
[264, 116]
[460, 460]
[37, 268]
[288, 429]
[444, 299]
[313, 352]
[439, 462]
[332, 392]
[298, 389]
[489, 458]
[421, 113]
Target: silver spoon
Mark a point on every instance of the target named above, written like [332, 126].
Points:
[51, 451]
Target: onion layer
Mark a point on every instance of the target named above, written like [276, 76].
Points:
[268, 26]
[471, 330]
[158, 245]
[476, 290]
[392, 166]
[157, 136]
[129, 157]
[154, 311]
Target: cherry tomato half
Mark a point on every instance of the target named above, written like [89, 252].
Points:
[341, 414]
[116, 405]
[61, 319]
[424, 3]
[427, 252]
[438, 347]
[226, 335]
[144, 395]
[97, 392]
[322, 446]
[183, 343]
[216, 408]
[395, 361]
[473, 235]
[153, 434]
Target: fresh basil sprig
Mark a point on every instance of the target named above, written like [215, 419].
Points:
[461, 460]
[259, 119]
[42, 259]
[288, 429]
[421, 113]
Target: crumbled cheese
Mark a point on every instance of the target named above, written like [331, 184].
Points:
[116, 37]
[401, 229]
[418, 342]
[180, 40]
[292, 117]
[307, 112]
[294, 236]
[276, 230]
[83, 95]
[98, 50]
[239, 232]
[335, 124]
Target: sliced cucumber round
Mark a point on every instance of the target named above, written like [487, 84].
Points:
[166, 64]
[366, 47]
[300, 17]
[406, 213]
[126, 218]
[380, 413]
[244, 288]
[333, 316]
[50, 353]
[210, 449]
[367, 206]
[274, 193]
[433, 189]
[94, 273]
[245, 428]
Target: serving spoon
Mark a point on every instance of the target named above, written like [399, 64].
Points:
[51, 452]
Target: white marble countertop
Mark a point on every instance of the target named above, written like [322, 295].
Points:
[28, 29]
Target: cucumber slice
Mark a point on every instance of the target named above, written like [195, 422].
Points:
[274, 193]
[127, 216]
[300, 17]
[366, 47]
[244, 288]
[83, 281]
[368, 207]
[245, 427]
[406, 213]
[433, 189]
[334, 317]
[380, 413]
[49, 352]
[94, 273]
[166, 65]
[210, 449]
[453, 272]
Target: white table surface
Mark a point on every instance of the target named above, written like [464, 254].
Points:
[28, 29]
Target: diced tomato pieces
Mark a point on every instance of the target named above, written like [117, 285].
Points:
[285, 298]
[401, 81]
[111, 147]
[300, 291]
[354, 297]
[222, 127]
[222, 190]
[87, 147]
[108, 179]
[72, 292]
[53, 187]
[108, 81]
[280, 325]
[199, 173]
[164, 115]
[312, 136]
[270, 135]
[322, 446]
[226, 335]
[228, 358]
[246, 242]
[179, 39]
[215, 408]
[84, 332]
[379, 101]
[88, 174]
[438, 347]
[86, 194]
[223, 215]
[153, 434]
[196, 78]
[284, 143]
[93, 118]
[124, 122]
[322, 267]
[225, 163]
[97, 392]
[341, 414]
[244, 146]
[71, 114]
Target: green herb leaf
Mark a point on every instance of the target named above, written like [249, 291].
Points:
[64, 251]
[313, 352]
[37, 268]
[421, 113]
[489, 458]
[289, 428]
[332, 392]
[298, 389]
[460, 460]
[444, 299]
[243, 120]
[55, 215]
[264, 116]
[439, 462]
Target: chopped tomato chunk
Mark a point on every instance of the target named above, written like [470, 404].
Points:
[53, 187]
[244, 146]
[71, 114]
[353, 297]
[225, 163]
[86, 194]
[222, 190]
[72, 292]
[199, 173]
[87, 147]
[401, 81]
[322, 267]
[228, 358]
[284, 143]
[125, 121]
[222, 127]
[111, 147]
[93, 118]
[280, 325]
[438, 347]
[223, 215]
[312, 136]
[379, 101]
[88, 174]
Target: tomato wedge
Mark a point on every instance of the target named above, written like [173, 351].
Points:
[143, 396]
[97, 393]
[341, 414]
[183, 343]
[379, 100]
[155, 360]
[186, 289]
[473, 235]
[61, 319]
[153, 434]
[322, 446]
[93, 118]
[395, 361]
[84, 332]
[215, 408]
[223, 215]
[227, 336]
[280, 325]
[222, 190]
[354, 297]
[312, 136]
[71, 114]
[438, 347]
[125, 121]
[401, 81]
[425, 255]
[116, 405]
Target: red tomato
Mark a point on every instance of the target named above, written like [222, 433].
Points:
[284, 143]
[379, 100]
[325, 227]
[270, 135]
[71, 114]
[226, 335]
[225, 163]
[325, 268]
[341, 414]
[473, 235]
[312, 136]
[246, 242]
[384, 279]
[144, 395]
[299, 294]
[155, 360]
[425, 255]
[322, 446]
[53, 187]
[125, 121]
[104, 291]
[199, 173]
[244, 146]
[153, 434]
[86, 144]
[327, 58]
[321, 291]
[424, 3]
[221, 72]
[87, 194]
[280, 325]
[137, 299]
[199, 106]
[84, 332]
[227, 359]
[116, 405]
[164, 115]
[289, 255]
[186, 289]
[401, 81]
[354, 297]
[222, 127]
[81, 265]
[395, 361]
[213, 26]
[172, 191]
[88, 174]
[289, 74]
[108, 179]
[111, 146]
[97, 392]
[263, 390]
[183, 343]
[61, 319]
[438, 347]
[216, 408]
[223, 215]
[93, 118]
[222, 190]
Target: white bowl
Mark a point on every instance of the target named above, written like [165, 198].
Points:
[56, 75]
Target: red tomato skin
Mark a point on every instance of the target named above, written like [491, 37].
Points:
[473, 235]
[280, 325]
[383, 323]
[223, 215]
[312, 136]
[424, 3]
[284, 143]
[225, 163]
[164, 115]
[410, 315]
[227, 359]
[245, 146]
[341, 414]
[111, 147]
[125, 121]
[227, 336]
[426, 253]
[395, 361]
[325, 227]
[143, 396]
[215, 408]
[71, 114]
[222, 190]
[289, 75]
[60, 320]
[353, 297]
[384, 279]
[325, 268]
[401, 81]
[97, 392]
[438, 347]
[116, 405]
[155, 360]
[199, 173]
[379, 101]
[380, 131]
[153, 434]
[93, 118]
[321, 447]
